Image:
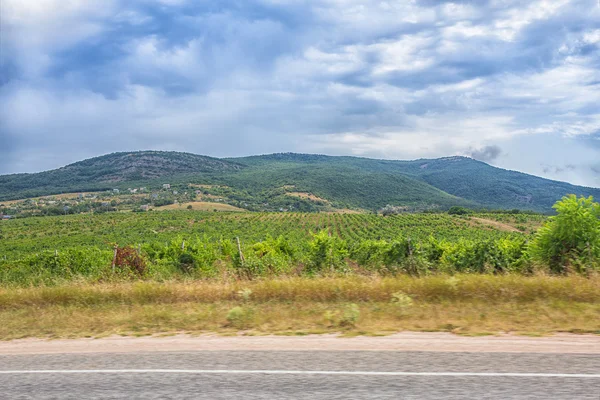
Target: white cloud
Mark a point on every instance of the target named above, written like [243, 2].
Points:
[387, 79]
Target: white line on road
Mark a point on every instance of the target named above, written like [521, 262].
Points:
[288, 372]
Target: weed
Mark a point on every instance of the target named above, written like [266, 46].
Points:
[239, 317]
[350, 316]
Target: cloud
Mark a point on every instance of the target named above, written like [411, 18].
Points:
[486, 154]
[381, 79]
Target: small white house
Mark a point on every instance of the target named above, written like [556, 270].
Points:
[166, 186]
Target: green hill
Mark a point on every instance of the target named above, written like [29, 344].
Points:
[335, 182]
[106, 171]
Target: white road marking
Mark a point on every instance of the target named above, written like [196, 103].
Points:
[289, 372]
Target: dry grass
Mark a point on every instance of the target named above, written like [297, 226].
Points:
[463, 304]
[201, 206]
[307, 196]
[495, 224]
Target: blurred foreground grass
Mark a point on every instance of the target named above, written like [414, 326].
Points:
[466, 304]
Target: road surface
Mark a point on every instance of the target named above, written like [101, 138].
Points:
[300, 374]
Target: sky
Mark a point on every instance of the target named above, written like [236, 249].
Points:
[512, 83]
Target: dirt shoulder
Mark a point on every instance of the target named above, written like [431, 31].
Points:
[405, 341]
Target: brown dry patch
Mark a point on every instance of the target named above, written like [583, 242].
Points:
[344, 211]
[206, 186]
[495, 224]
[63, 196]
[307, 196]
[201, 206]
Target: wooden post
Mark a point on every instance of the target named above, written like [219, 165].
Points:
[115, 257]
[240, 251]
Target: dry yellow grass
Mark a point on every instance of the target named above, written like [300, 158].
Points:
[463, 304]
[495, 224]
[194, 185]
[307, 196]
[200, 206]
[474, 317]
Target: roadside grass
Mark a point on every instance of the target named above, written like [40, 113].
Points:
[464, 304]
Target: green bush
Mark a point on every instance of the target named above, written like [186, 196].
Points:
[326, 252]
[571, 239]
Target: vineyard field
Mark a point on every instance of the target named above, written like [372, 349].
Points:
[25, 236]
[172, 244]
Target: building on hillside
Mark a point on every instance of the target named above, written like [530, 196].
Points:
[166, 186]
[144, 207]
[117, 191]
[7, 217]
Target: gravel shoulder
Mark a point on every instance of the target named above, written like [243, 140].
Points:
[405, 341]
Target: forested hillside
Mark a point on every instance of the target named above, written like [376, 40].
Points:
[306, 182]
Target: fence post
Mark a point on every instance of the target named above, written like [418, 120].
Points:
[237, 239]
[115, 257]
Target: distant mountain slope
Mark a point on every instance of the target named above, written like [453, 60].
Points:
[491, 186]
[470, 180]
[104, 171]
[352, 182]
[345, 186]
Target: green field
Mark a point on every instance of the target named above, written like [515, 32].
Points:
[162, 272]
[181, 244]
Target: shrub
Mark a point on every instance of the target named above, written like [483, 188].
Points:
[245, 294]
[350, 316]
[128, 259]
[239, 317]
[402, 300]
[326, 251]
[571, 239]
[456, 210]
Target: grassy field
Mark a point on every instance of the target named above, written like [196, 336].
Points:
[463, 304]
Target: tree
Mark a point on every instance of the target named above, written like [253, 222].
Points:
[456, 210]
[571, 239]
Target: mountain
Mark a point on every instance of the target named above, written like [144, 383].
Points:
[469, 180]
[105, 171]
[308, 181]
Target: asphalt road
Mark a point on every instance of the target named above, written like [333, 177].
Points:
[300, 375]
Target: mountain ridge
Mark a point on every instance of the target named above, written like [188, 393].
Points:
[346, 181]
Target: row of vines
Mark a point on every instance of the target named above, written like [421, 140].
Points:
[187, 244]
